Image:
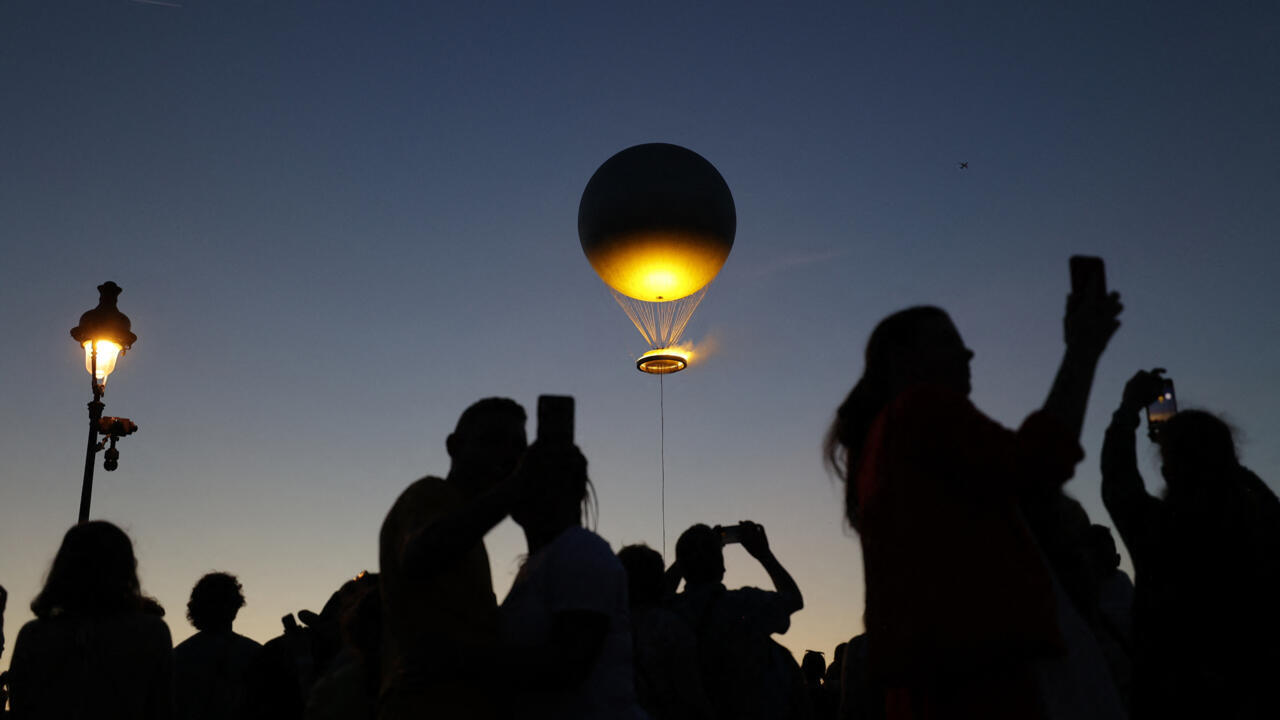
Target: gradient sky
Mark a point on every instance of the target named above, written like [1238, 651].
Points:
[337, 224]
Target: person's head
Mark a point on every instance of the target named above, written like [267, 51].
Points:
[645, 570]
[362, 617]
[918, 345]
[94, 574]
[558, 489]
[813, 667]
[486, 444]
[1198, 451]
[215, 600]
[836, 669]
[701, 555]
[327, 627]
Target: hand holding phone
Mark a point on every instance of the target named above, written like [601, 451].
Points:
[1144, 388]
[753, 539]
[1092, 312]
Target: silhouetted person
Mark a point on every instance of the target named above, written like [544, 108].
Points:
[745, 673]
[835, 670]
[565, 621]
[4, 601]
[97, 648]
[280, 675]
[813, 666]
[349, 635]
[960, 604]
[285, 670]
[4, 677]
[1115, 608]
[439, 613]
[1207, 586]
[1061, 527]
[861, 695]
[209, 667]
[668, 677]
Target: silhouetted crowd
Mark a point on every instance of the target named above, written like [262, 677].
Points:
[990, 592]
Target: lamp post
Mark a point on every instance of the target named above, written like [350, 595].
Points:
[104, 334]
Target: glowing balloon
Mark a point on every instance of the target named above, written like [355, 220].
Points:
[657, 222]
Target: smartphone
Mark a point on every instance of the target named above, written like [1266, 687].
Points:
[1164, 407]
[1088, 276]
[289, 623]
[730, 534]
[555, 419]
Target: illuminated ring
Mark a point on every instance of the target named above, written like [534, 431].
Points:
[661, 364]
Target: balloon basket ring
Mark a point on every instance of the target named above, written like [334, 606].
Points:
[662, 361]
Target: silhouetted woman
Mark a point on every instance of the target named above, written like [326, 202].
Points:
[565, 620]
[97, 648]
[960, 604]
[1207, 562]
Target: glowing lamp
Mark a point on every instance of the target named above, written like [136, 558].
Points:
[107, 354]
[663, 361]
[104, 333]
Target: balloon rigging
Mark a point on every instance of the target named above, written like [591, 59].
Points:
[657, 222]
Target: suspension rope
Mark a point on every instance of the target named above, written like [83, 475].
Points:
[662, 451]
[661, 323]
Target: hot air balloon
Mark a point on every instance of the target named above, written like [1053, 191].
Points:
[657, 222]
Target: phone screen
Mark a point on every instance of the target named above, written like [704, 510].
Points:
[1164, 407]
[555, 418]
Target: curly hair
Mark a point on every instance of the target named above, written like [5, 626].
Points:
[215, 600]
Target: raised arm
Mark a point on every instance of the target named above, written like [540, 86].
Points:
[1123, 491]
[671, 580]
[442, 541]
[1088, 326]
[755, 542]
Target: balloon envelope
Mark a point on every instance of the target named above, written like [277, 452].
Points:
[657, 222]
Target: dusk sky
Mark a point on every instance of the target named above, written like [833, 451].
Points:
[337, 224]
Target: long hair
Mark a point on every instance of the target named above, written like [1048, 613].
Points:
[94, 574]
[561, 471]
[848, 432]
[1203, 447]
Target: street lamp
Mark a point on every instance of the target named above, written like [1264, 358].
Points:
[104, 334]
